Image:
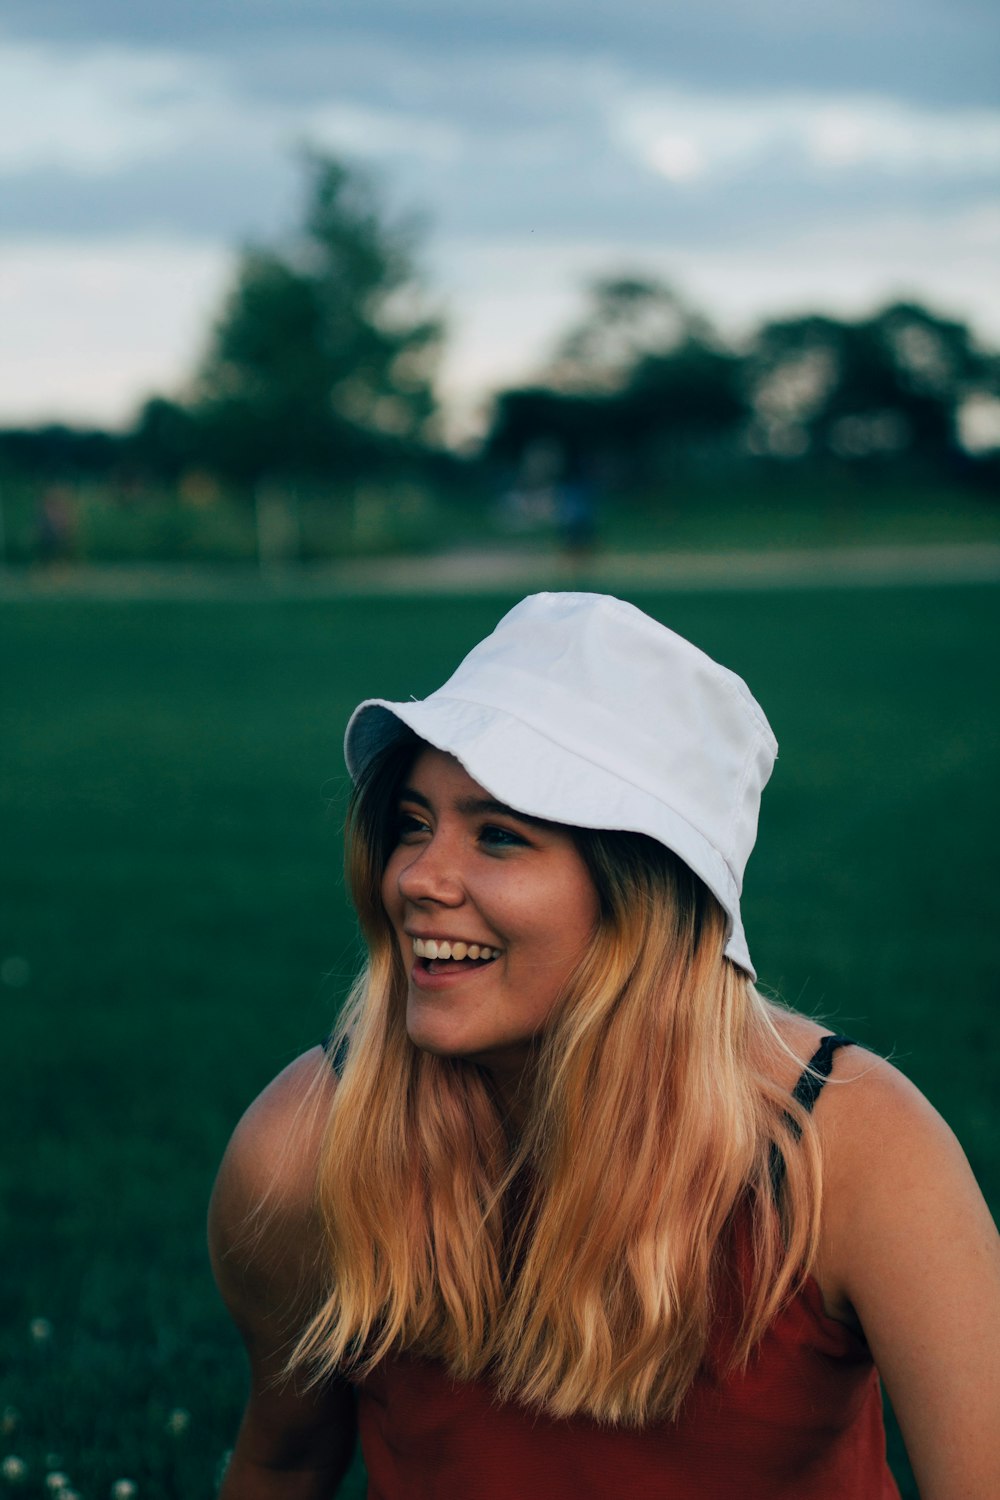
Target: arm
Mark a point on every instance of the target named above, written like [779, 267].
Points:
[266, 1246]
[908, 1244]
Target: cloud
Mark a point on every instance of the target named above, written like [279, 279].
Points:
[136, 140]
[686, 137]
[921, 50]
[100, 111]
[91, 328]
[133, 139]
[946, 259]
[363, 132]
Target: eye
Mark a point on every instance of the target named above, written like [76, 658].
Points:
[495, 837]
[409, 826]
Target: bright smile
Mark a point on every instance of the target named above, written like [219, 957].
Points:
[456, 951]
[440, 960]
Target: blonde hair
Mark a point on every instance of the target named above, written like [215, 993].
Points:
[581, 1267]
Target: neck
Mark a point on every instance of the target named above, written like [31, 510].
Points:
[512, 1089]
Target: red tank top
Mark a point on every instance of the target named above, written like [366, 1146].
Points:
[802, 1422]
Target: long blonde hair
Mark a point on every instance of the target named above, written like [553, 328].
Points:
[580, 1267]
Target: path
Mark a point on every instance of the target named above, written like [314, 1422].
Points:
[507, 570]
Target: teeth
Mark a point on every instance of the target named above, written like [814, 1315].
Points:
[432, 948]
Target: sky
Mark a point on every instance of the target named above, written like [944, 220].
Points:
[762, 157]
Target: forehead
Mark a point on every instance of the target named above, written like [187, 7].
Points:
[438, 779]
[435, 767]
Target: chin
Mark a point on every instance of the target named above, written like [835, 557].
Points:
[435, 1040]
[439, 1044]
[431, 1044]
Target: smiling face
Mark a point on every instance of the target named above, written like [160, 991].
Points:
[468, 873]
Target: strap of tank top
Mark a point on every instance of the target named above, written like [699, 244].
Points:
[818, 1070]
[339, 1057]
[806, 1091]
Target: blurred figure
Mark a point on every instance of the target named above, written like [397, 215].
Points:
[56, 526]
[576, 512]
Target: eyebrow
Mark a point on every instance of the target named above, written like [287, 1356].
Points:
[474, 807]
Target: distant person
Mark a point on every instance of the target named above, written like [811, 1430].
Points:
[567, 1207]
[55, 525]
[576, 514]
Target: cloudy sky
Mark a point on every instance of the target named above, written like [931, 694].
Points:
[764, 156]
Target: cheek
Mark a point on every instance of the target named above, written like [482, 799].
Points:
[581, 908]
[391, 899]
[566, 919]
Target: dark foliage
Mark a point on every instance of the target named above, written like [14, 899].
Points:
[322, 360]
[643, 389]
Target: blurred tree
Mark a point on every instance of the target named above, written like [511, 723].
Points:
[639, 387]
[691, 397]
[889, 388]
[165, 439]
[56, 451]
[522, 418]
[322, 359]
[629, 319]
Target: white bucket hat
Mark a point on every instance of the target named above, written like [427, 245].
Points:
[580, 709]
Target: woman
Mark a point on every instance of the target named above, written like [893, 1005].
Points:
[568, 1209]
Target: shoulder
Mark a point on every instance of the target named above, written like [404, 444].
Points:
[908, 1249]
[265, 1237]
[893, 1170]
[901, 1206]
[274, 1150]
[861, 1094]
[881, 1139]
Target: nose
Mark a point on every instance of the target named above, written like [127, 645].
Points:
[432, 876]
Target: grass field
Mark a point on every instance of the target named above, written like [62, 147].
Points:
[174, 931]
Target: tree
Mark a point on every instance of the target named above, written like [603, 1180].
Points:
[323, 357]
[640, 387]
[629, 319]
[883, 389]
[165, 439]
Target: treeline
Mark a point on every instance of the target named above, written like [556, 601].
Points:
[644, 391]
[320, 370]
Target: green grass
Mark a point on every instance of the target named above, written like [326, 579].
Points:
[799, 509]
[169, 871]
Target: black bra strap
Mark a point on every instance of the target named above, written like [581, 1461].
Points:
[806, 1092]
[820, 1065]
[340, 1052]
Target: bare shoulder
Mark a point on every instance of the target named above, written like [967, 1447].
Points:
[862, 1091]
[898, 1193]
[910, 1252]
[265, 1238]
[876, 1125]
[894, 1175]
